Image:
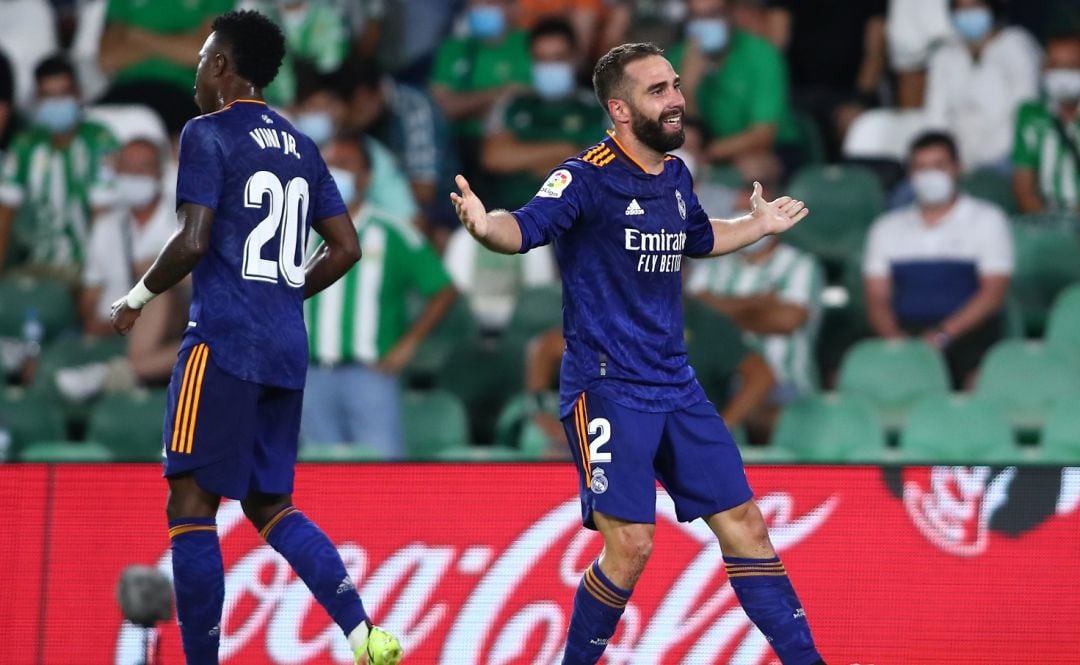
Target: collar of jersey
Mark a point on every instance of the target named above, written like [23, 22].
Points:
[241, 101]
[621, 151]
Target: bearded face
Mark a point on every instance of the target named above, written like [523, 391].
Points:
[662, 133]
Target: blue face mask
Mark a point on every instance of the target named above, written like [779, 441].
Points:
[346, 184]
[57, 114]
[486, 21]
[973, 23]
[317, 126]
[553, 80]
[711, 34]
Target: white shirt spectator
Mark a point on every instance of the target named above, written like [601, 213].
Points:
[912, 29]
[976, 100]
[117, 244]
[935, 269]
[493, 281]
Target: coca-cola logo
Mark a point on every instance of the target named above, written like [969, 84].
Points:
[515, 602]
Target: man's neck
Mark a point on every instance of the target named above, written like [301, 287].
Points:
[61, 141]
[932, 215]
[649, 160]
[241, 90]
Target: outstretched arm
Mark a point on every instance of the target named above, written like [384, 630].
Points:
[765, 218]
[497, 230]
[176, 260]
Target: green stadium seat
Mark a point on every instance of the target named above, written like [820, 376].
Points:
[811, 143]
[433, 420]
[1063, 325]
[29, 417]
[65, 451]
[484, 375]
[1024, 378]
[1060, 440]
[830, 428]
[1047, 261]
[50, 298]
[843, 202]
[129, 425]
[958, 429]
[458, 324]
[465, 453]
[537, 309]
[347, 452]
[892, 375]
[991, 185]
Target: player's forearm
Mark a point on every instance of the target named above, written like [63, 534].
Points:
[732, 235]
[502, 233]
[176, 261]
[755, 382]
[327, 266]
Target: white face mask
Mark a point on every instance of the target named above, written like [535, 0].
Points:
[1062, 85]
[933, 186]
[136, 191]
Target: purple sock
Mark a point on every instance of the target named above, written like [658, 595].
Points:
[199, 581]
[598, 605]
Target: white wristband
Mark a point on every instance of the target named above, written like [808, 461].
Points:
[139, 296]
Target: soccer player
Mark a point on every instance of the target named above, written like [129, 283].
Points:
[622, 215]
[248, 189]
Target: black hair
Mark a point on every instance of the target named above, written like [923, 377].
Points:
[609, 74]
[52, 66]
[256, 43]
[354, 74]
[553, 26]
[935, 138]
[357, 140]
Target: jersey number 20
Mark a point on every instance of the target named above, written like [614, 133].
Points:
[288, 210]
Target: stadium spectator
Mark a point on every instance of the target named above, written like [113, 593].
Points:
[1046, 149]
[772, 293]
[475, 72]
[836, 54]
[52, 175]
[492, 281]
[642, 21]
[975, 85]
[529, 133]
[316, 33]
[409, 35]
[913, 29]
[407, 121]
[584, 17]
[716, 61]
[150, 50]
[8, 119]
[940, 268]
[126, 237]
[360, 334]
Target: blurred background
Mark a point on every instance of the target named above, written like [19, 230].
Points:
[928, 310]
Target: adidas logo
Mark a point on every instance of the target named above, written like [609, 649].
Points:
[634, 208]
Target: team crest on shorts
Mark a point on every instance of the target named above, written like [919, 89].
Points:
[682, 204]
[599, 481]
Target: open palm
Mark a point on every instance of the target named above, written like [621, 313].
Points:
[779, 215]
[470, 210]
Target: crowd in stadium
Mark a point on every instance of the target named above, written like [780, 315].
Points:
[929, 307]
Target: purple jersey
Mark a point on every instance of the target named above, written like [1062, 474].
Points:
[266, 183]
[620, 235]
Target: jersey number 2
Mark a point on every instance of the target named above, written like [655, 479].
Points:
[601, 429]
[288, 210]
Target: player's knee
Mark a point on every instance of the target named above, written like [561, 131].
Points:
[261, 509]
[752, 530]
[631, 548]
[187, 500]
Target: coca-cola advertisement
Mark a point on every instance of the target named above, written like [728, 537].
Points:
[476, 564]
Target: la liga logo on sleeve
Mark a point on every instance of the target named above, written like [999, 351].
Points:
[556, 183]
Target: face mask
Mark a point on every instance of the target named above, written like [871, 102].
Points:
[346, 184]
[973, 23]
[1062, 85]
[711, 34]
[57, 114]
[317, 126]
[553, 80]
[136, 191]
[932, 186]
[486, 21]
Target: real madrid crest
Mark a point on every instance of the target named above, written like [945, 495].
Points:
[599, 482]
[682, 204]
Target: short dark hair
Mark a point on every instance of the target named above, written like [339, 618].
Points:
[52, 66]
[356, 140]
[935, 138]
[353, 75]
[609, 74]
[553, 26]
[256, 43]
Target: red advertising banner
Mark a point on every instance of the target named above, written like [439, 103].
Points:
[477, 565]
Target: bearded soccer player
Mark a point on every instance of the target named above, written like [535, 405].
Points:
[622, 215]
[249, 187]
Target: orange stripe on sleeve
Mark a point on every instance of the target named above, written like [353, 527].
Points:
[195, 398]
[180, 400]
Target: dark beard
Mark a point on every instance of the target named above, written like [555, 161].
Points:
[652, 134]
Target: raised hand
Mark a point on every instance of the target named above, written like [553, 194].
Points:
[779, 215]
[470, 210]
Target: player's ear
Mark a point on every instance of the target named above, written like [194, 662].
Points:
[618, 111]
[219, 63]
